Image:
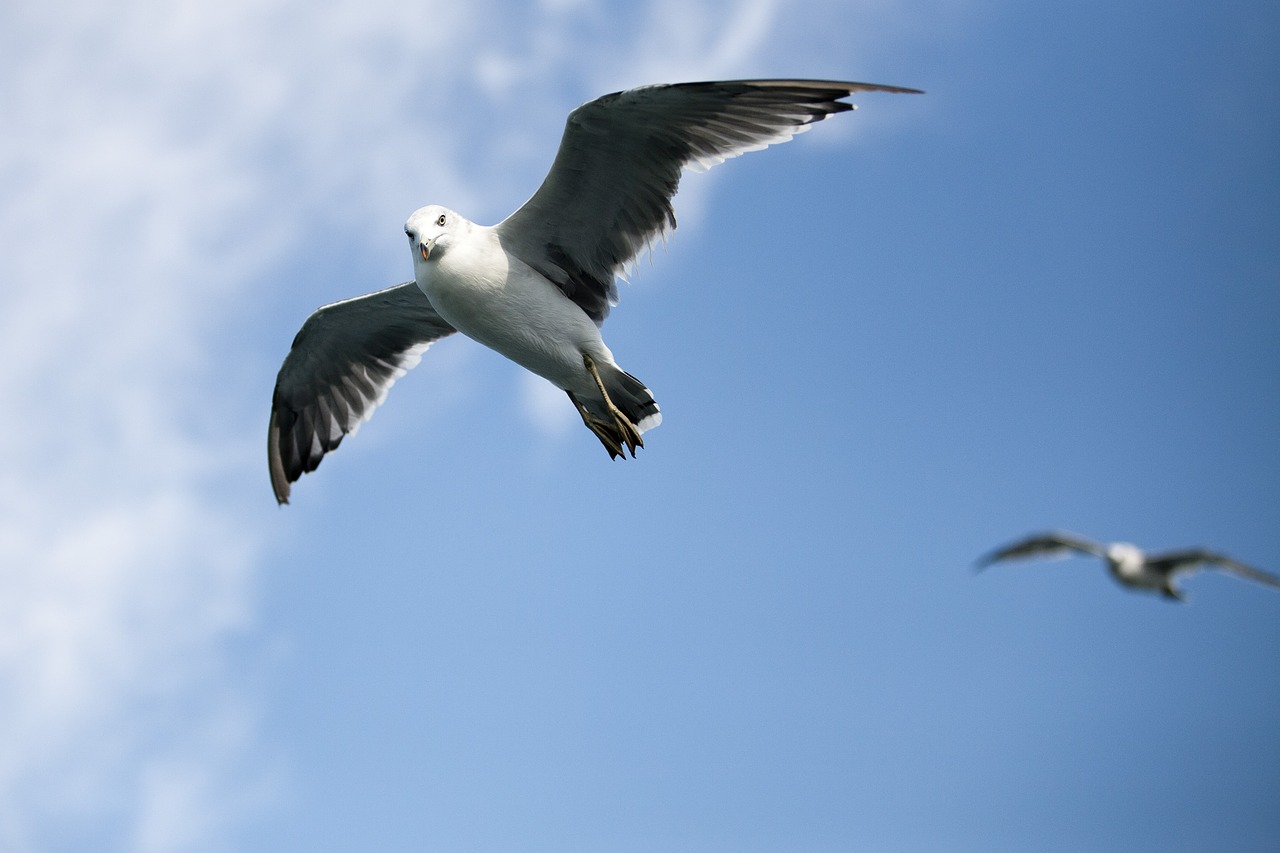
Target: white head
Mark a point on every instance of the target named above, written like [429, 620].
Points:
[431, 231]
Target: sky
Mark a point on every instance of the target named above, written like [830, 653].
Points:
[1042, 295]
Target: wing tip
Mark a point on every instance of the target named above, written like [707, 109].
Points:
[892, 90]
[848, 87]
[275, 462]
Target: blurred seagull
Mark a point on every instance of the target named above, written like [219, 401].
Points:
[1127, 563]
[537, 286]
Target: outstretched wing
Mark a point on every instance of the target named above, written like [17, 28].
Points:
[341, 365]
[608, 194]
[1171, 562]
[1057, 543]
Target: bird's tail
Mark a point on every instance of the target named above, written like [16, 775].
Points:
[631, 397]
[620, 410]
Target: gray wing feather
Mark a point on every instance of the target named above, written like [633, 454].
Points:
[1170, 562]
[1057, 543]
[341, 365]
[608, 194]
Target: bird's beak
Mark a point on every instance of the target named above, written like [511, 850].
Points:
[425, 247]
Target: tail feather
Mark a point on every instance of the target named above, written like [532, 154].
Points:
[631, 397]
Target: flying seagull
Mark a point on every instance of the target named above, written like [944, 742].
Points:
[536, 286]
[1129, 564]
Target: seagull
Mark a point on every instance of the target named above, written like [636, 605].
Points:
[537, 286]
[1129, 564]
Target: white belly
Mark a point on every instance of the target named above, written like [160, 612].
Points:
[514, 310]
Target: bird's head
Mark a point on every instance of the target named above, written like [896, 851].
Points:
[1125, 554]
[431, 231]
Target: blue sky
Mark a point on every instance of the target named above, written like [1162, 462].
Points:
[1043, 295]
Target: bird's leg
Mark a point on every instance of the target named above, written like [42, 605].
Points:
[617, 431]
[604, 430]
[627, 430]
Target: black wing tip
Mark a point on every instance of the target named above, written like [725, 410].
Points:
[815, 88]
[986, 561]
[999, 555]
[279, 487]
[892, 90]
[849, 87]
[817, 91]
[1059, 538]
[275, 461]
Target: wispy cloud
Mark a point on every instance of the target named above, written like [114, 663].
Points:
[157, 159]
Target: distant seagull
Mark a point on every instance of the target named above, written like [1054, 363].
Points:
[1127, 563]
[537, 286]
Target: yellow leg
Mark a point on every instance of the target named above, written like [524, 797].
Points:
[616, 432]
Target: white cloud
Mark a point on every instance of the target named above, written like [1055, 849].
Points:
[546, 406]
[157, 158]
[706, 41]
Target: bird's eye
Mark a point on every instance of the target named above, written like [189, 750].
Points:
[410, 236]
[440, 220]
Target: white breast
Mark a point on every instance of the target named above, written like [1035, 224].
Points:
[504, 304]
